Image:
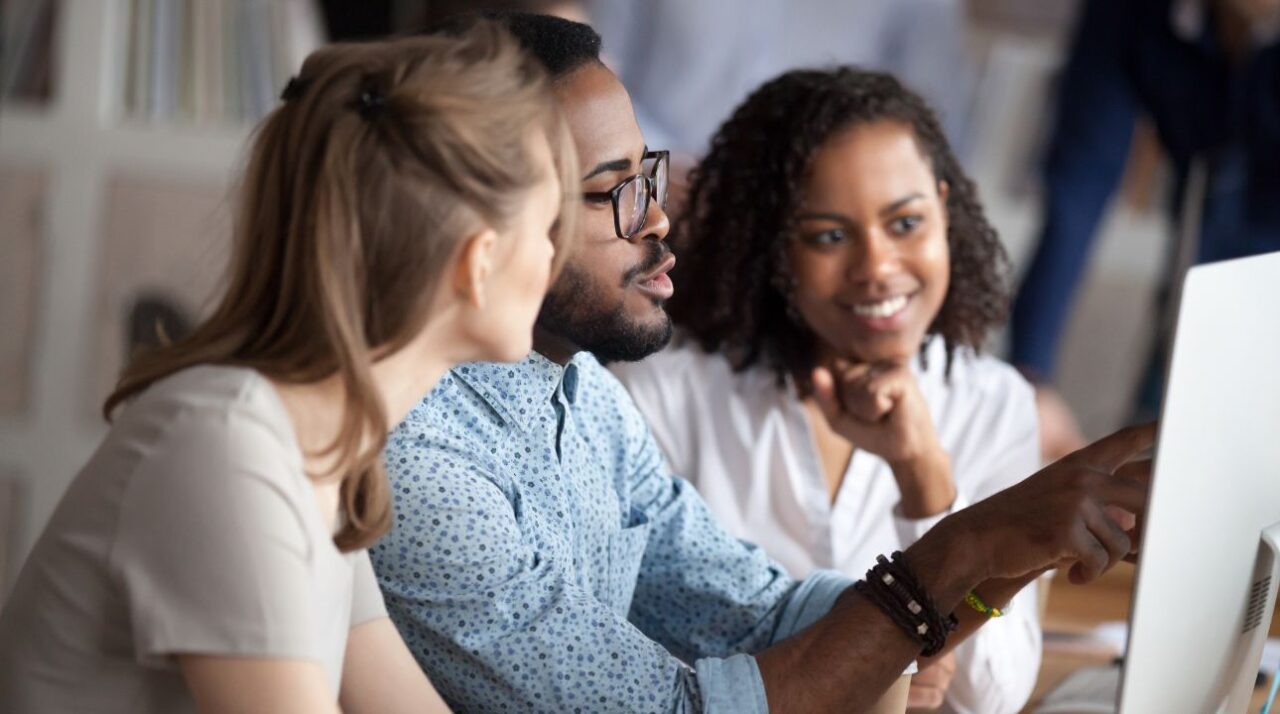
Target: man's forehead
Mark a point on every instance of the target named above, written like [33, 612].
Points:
[600, 117]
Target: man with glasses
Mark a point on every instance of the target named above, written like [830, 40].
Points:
[608, 301]
[544, 558]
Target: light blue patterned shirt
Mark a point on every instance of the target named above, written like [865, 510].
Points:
[543, 557]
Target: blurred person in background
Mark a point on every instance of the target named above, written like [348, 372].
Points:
[832, 245]
[1207, 74]
[688, 63]
[211, 556]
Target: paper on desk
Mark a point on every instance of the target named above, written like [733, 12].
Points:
[1270, 656]
[1106, 639]
[1111, 638]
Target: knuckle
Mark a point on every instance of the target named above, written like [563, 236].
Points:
[1124, 543]
[1099, 553]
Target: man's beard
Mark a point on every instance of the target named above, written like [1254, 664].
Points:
[576, 311]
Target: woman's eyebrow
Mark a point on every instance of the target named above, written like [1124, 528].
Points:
[824, 216]
[842, 218]
[900, 203]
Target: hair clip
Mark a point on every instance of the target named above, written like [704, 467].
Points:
[294, 89]
[370, 103]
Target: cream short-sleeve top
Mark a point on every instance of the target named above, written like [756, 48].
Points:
[192, 530]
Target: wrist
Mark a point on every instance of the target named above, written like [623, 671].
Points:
[925, 483]
[997, 594]
[949, 563]
[1000, 592]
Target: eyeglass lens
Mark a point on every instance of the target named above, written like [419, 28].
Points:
[633, 198]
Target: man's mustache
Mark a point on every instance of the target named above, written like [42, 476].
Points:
[658, 252]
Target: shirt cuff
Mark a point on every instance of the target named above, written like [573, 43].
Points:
[813, 597]
[731, 684]
[911, 529]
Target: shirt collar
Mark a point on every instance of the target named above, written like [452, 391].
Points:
[519, 391]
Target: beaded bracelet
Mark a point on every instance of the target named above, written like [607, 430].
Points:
[981, 606]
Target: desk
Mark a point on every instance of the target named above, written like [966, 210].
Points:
[1079, 608]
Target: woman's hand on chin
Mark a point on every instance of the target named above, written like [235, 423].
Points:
[880, 409]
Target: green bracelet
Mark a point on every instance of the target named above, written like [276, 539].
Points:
[976, 603]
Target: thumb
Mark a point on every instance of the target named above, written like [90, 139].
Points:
[824, 393]
[885, 402]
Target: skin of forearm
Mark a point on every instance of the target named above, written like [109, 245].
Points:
[925, 484]
[849, 658]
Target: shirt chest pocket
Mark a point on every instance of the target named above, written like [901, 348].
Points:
[624, 551]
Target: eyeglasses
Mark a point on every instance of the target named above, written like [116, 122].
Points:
[631, 197]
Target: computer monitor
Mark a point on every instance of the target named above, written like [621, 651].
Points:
[1210, 563]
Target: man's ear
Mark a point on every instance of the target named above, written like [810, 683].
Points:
[475, 263]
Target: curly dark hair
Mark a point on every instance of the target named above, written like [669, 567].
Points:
[733, 281]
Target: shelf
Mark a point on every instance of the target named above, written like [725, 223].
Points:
[86, 144]
[32, 134]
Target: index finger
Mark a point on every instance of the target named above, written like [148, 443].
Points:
[1139, 470]
[848, 371]
[1110, 452]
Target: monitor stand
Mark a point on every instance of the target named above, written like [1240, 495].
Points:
[1257, 621]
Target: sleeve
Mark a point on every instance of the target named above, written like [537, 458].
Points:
[910, 530]
[996, 668]
[500, 626]
[1004, 436]
[211, 551]
[366, 598]
[1096, 111]
[700, 591]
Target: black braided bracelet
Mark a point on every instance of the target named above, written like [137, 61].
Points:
[939, 625]
[892, 596]
[893, 587]
[890, 606]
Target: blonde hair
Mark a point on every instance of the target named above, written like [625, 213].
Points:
[356, 197]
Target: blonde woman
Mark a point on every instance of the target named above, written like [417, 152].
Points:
[394, 220]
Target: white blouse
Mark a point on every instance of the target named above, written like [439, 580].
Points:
[746, 445]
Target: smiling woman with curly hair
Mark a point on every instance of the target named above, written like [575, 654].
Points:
[735, 275]
[826, 392]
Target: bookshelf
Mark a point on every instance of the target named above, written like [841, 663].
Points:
[73, 152]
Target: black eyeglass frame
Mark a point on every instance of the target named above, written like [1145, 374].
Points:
[614, 194]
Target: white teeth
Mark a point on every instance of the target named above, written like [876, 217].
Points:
[884, 308]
